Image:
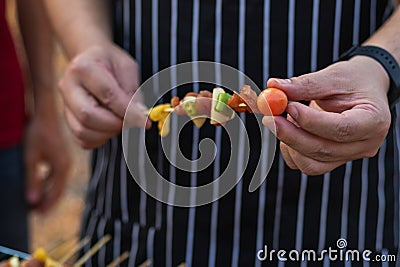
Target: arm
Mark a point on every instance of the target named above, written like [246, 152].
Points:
[80, 24]
[101, 78]
[348, 117]
[44, 137]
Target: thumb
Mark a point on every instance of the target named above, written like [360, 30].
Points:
[33, 181]
[312, 86]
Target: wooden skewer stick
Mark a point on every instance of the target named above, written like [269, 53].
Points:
[147, 112]
[119, 260]
[74, 250]
[59, 246]
[93, 250]
[147, 263]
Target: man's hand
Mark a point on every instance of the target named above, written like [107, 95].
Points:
[47, 162]
[97, 88]
[348, 117]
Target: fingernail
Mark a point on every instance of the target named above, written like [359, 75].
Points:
[269, 122]
[283, 81]
[292, 110]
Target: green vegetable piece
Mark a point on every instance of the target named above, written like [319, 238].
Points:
[190, 108]
[221, 105]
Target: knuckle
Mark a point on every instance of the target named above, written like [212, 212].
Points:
[107, 95]
[85, 115]
[344, 130]
[370, 153]
[321, 152]
[307, 82]
[76, 66]
[311, 170]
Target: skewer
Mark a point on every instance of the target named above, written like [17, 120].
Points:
[147, 263]
[119, 260]
[56, 250]
[58, 246]
[74, 250]
[93, 250]
[242, 105]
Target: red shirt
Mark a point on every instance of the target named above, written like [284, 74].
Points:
[12, 108]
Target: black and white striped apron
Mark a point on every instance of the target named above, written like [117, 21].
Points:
[358, 201]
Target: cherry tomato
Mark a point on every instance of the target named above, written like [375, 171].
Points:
[272, 100]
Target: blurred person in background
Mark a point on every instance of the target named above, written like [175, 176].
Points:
[337, 174]
[34, 159]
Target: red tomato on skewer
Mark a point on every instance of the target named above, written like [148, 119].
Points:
[273, 98]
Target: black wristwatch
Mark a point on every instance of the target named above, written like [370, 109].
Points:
[387, 61]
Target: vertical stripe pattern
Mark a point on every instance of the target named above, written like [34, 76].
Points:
[290, 209]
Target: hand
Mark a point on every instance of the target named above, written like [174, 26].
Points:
[347, 119]
[44, 144]
[97, 87]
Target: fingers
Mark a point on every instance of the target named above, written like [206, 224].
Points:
[47, 162]
[349, 126]
[316, 85]
[86, 109]
[97, 88]
[318, 148]
[296, 160]
[127, 73]
[97, 78]
[86, 137]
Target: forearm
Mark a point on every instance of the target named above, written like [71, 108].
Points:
[80, 24]
[388, 36]
[39, 50]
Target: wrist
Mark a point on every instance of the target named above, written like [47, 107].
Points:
[375, 71]
[387, 61]
[98, 40]
[46, 108]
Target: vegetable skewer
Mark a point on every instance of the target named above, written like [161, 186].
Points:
[218, 106]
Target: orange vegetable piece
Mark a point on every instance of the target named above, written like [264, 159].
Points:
[235, 101]
[175, 101]
[272, 100]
